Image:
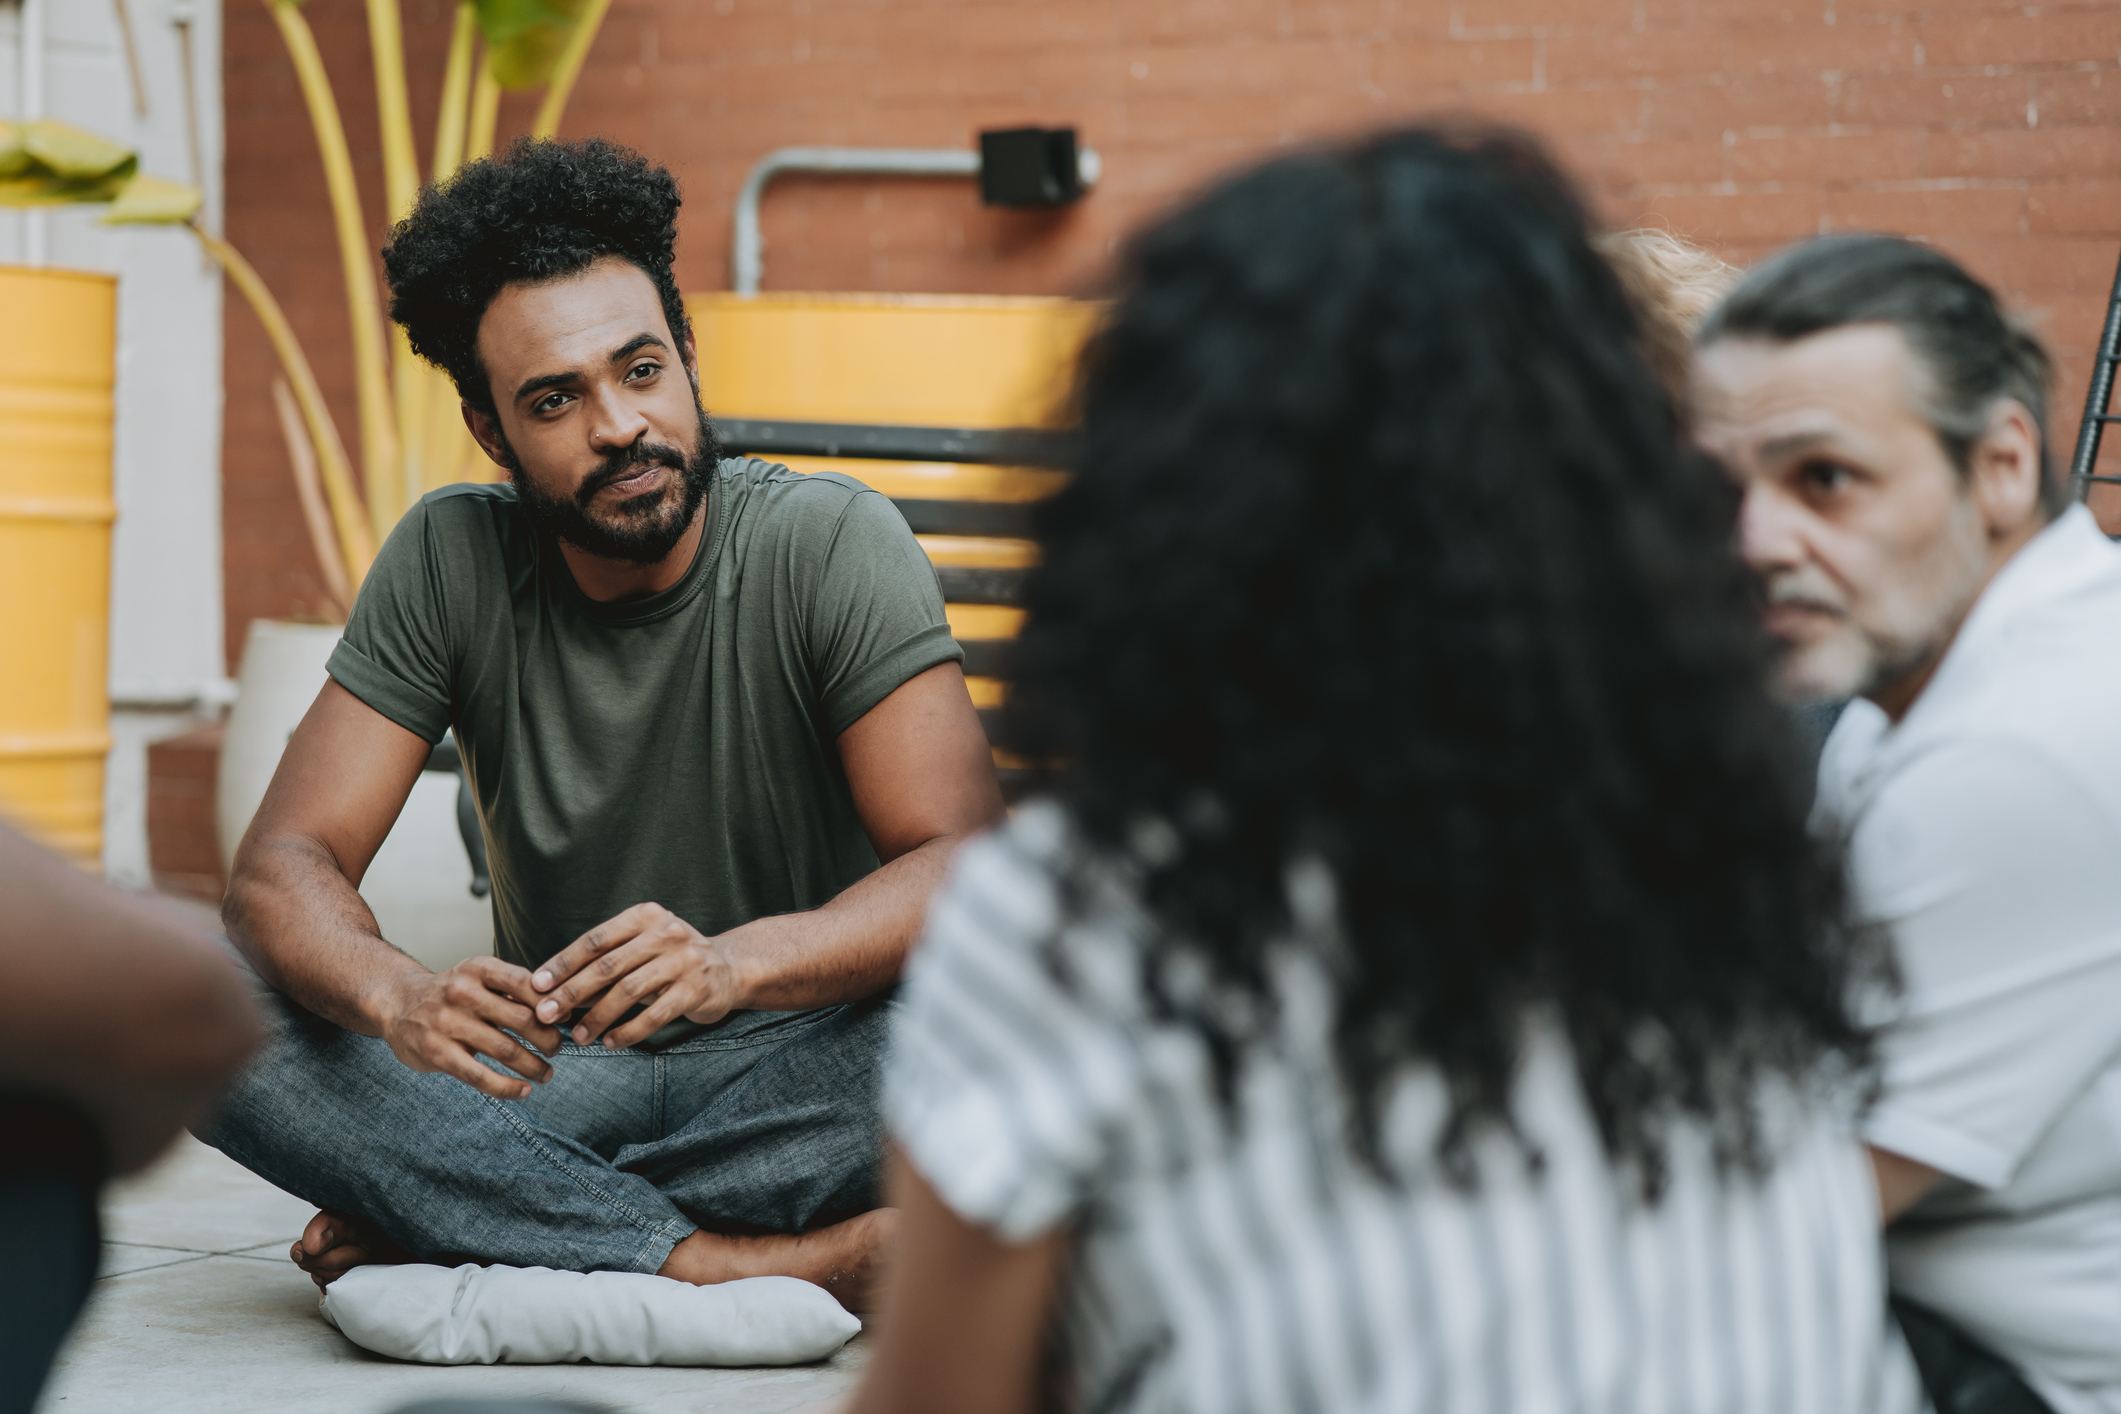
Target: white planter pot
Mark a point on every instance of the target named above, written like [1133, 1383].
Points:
[282, 672]
[419, 884]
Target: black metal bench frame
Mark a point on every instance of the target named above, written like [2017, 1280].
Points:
[961, 584]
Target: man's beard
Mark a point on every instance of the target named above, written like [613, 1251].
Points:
[641, 530]
[1898, 634]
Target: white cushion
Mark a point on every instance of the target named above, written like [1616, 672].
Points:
[473, 1315]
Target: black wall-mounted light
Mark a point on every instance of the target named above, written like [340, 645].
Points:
[1034, 167]
[1020, 167]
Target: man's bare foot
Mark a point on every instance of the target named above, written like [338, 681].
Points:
[848, 1258]
[335, 1243]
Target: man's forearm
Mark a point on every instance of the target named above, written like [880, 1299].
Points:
[308, 931]
[853, 947]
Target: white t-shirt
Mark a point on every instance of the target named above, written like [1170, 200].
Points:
[1274, 1272]
[1985, 832]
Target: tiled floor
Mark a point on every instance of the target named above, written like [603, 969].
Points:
[199, 1310]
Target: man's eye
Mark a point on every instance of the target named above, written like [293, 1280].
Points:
[1825, 476]
[642, 370]
[550, 401]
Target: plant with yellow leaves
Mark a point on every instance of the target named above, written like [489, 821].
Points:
[50, 163]
[411, 436]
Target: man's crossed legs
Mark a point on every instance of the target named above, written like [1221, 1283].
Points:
[721, 1157]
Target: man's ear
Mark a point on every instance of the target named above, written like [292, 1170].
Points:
[689, 350]
[487, 433]
[2004, 469]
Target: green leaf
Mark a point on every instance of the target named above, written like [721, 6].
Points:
[152, 201]
[524, 38]
[48, 163]
[502, 20]
[41, 189]
[14, 160]
[66, 151]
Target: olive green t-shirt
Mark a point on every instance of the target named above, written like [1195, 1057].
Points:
[678, 749]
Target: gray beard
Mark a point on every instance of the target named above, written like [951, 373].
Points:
[1893, 661]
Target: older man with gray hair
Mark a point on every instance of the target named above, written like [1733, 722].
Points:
[1886, 423]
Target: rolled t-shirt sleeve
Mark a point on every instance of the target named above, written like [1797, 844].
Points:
[875, 617]
[1992, 868]
[394, 655]
[1004, 1085]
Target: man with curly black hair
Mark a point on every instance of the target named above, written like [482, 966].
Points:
[722, 752]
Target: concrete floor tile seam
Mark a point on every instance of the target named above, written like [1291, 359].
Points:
[164, 1247]
[275, 1251]
[177, 1261]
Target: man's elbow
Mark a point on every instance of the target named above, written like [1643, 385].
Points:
[266, 866]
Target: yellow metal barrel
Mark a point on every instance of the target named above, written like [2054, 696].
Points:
[927, 360]
[58, 346]
[959, 361]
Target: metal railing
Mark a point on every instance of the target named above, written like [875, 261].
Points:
[2096, 399]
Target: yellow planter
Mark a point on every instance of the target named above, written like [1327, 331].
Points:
[925, 360]
[928, 360]
[58, 345]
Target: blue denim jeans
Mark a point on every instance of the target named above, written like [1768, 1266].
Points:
[51, 1166]
[767, 1123]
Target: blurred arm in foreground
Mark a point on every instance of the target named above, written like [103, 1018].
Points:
[122, 1028]
[121, 1008]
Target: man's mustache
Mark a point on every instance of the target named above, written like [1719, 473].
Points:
[1790, 592]
[620, 465]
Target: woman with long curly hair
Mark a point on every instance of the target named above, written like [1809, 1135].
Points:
[1419, 991]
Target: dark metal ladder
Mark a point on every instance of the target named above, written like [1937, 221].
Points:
[2096, 398]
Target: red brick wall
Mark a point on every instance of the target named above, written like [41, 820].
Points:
[183, 852]
[1989, 128]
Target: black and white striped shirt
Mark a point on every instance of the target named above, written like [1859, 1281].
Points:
[1265, 1268]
